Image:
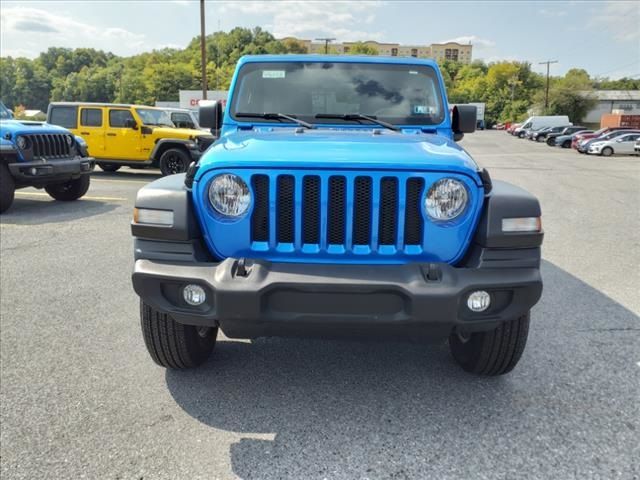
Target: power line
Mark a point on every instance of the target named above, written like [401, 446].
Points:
[546, 95]
[326, 43]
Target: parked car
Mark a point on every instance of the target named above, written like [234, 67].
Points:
[539, 121]
[619, 145]
[131, 135]
[531, 131]
[594, 134]
[335, 221]
[565, 141]
[583, 145]
[35, 154]
[184, 118]
[637, 147]
[550, 137]
[510, 129]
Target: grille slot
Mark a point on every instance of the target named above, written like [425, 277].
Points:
[311, 210]
[49, 145]
[388, 220]
[362, 211]
[285, 208]
[336, 217]
[413, 222]
[260, 216]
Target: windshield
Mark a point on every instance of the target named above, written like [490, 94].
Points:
[5, 113]
[150, 116]
[398, 94]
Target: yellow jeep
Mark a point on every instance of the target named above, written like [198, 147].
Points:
[131, 135]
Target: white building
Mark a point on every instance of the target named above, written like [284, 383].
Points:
[626, 102]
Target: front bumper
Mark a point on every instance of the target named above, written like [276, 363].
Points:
[593, 150]
[50, 171]
[282, 299]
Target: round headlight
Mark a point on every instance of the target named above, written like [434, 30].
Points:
[446, 199]
[21, 142]
[229, 195]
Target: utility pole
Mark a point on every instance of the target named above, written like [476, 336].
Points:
[326, 43]
[203, 52]
[546, 95]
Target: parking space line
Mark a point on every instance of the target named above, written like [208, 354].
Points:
[93, 179]
[38, 194]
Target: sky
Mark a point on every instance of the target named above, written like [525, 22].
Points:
[603, 37]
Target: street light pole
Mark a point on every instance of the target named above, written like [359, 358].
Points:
[203, 52]
[546, 95]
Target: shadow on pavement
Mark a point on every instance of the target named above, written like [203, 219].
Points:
[341, 409]
[126, 173]
[29, 211]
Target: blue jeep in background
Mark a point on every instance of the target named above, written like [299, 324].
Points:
[336, 202]
[36, 154]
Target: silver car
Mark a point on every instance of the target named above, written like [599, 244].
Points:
[621, 145]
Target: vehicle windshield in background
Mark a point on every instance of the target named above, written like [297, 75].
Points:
[150, 116]
[393, 93]
[5, 113]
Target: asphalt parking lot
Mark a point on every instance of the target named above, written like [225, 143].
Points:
[80, 397]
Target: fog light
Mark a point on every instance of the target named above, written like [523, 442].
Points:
[33, 171]
[194, 295]
[479, 301]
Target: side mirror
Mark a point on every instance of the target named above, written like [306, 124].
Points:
[131, 123]
[463, 120]
[210, 115]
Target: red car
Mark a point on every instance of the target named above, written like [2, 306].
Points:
[596, 134]
[512, 127]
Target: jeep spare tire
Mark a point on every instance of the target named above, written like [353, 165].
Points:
[174, 160]
[7, 188]
[109, 167]
[70, 190]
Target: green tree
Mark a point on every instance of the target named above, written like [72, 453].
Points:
[361, 48]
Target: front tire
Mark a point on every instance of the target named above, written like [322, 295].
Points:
[7, 188]
[71, 190]
[551, 142]
[606, 152]
[109, 167]
[494, 352]
[174, 160]
[521, 135]
[172, 344]
[566, 144]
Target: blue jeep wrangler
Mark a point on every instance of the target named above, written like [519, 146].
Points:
[36, 154]
[337, 203]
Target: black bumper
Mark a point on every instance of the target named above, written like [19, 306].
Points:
[50, 171]
[280, 299]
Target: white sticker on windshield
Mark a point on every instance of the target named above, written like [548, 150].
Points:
[273, 74]
[420, 109]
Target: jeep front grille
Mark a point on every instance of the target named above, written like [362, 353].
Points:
[336, 211]
[49, 145]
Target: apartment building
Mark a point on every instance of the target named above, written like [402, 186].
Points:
[438, 51]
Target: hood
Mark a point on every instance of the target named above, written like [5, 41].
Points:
[176, 132]
[326, 148]
[26, 127]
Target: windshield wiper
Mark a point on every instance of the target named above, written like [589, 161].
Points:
[276, 116]
[359, 116]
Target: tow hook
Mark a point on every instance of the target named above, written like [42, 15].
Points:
[241, 268]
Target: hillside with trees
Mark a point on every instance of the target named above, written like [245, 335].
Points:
[508, 88]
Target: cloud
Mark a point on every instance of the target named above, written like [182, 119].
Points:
[310, 19]
[545, 12]
[54, 29]
[474, 40]
[621, 19]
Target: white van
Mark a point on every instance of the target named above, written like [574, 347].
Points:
[541, 121]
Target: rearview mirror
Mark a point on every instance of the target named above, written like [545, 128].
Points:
[131, 123]
[211, 115]
[463, 120]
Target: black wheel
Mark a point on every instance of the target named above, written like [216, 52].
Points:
[606, 152]
[495, 352]
[566, 144]
[109, 167]
[7, 188]
[172, 344]
[551, 142]
[71, 190]
[521, 135]
[539, 139]
[174, 161]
